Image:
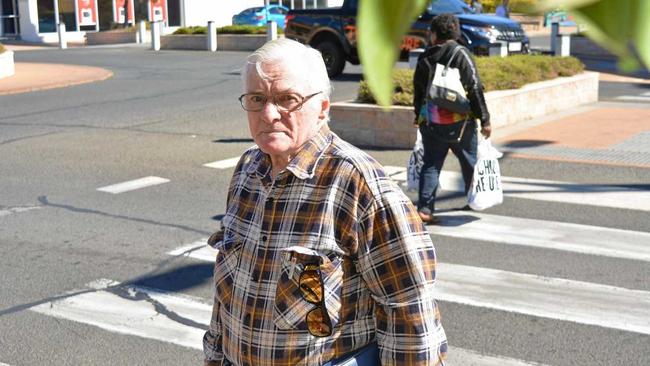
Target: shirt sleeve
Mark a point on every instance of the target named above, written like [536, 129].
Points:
[420, 80]
[472, 82]
[212, 349]
[397, 260]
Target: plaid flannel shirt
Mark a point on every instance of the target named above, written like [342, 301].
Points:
[335, 204]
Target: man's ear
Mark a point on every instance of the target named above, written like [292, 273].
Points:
[325, 109]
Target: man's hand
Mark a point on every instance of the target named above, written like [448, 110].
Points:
[486, 131]
[416, 124]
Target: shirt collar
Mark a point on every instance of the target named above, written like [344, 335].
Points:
[303, 165]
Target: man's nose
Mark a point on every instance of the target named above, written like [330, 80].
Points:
[270, 112]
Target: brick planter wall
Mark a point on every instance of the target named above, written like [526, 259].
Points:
[7, 64]
[225, 42]
[368, 125]
[96, 38]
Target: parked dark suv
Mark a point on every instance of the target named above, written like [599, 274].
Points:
[333, 31]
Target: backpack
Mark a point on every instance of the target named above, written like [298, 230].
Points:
[445, 87]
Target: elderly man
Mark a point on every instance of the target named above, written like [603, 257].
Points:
[321, 254]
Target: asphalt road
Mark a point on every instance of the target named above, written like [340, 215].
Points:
[165, 115]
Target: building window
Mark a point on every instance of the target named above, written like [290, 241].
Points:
[46, 18]
[46, 22]
[67, 14]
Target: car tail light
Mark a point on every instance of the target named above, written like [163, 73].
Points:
[289, 18]
[259, 17]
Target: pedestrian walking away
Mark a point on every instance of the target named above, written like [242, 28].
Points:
[322, 258]
[442, 129]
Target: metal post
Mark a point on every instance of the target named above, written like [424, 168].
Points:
[63, 44]
[413, 57]
[212, 36]
[142, 32]
[555, 31]
[304, 4]
[292, 4]
[155, 36]
[315, 4]
[563, 45]
[271, 31]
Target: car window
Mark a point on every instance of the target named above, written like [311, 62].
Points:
[275, 10]
[252, 10]
[449, 6]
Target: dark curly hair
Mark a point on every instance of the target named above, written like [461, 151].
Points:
[445, 27]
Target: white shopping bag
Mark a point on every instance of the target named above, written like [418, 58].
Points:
[486, 190]
[415, 165]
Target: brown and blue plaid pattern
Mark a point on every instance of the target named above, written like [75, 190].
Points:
[333, 204]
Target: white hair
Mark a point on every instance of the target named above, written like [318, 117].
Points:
[307, 60]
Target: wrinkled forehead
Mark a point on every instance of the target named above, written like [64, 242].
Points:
[275, 77]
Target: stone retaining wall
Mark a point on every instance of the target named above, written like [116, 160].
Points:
[225, 42]
[369, 125]
[7, 64]
[96, 38]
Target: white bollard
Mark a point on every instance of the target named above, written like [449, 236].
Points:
[563, 45]
[155, 36]
[413, 57]
[500, 50]
[271, 30]
[555, 32]
[63, 43]
[212, 36]
[142, 32]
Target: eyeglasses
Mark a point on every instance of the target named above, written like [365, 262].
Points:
[312, 288]
[285, 102]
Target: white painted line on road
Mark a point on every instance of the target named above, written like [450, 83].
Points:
[634, 98]
[135, 311]
[198, 250]
[223, 164]
[546, 190]
[465, 357]
[133, 185]
[4, 364]
[15, 210]
[132, 310]
[646, 94]
[546, 297]
[576, 238]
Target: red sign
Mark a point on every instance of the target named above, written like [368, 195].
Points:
[119, 12]
[157, 10]
[86, 12]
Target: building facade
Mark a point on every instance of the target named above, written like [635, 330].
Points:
[36, 20]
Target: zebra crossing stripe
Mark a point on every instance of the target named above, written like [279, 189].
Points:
[553, 191]
[223, 164]
[133, 185]
[546, 297]
[634, 98]
[575, 238]
[134, 310]
[175, 319]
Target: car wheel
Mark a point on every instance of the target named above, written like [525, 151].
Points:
[333, 57]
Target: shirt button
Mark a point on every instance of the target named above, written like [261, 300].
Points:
[247, 318]
[264, 238]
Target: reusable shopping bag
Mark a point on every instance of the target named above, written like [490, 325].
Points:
[416, 160]
[486, 189]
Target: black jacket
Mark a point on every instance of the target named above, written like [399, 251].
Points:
[468, 77]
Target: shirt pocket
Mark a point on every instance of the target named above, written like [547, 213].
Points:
[225, 268]
[290, 308]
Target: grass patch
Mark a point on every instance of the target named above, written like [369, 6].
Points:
[496, 73]
[229, 29]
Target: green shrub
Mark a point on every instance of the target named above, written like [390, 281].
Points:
[229, 29]
[516, 6]
[496, 73]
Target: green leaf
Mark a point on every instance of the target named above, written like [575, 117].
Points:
[381, 25]
[614, 24]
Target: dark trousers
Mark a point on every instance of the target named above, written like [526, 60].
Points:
[435, 152]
